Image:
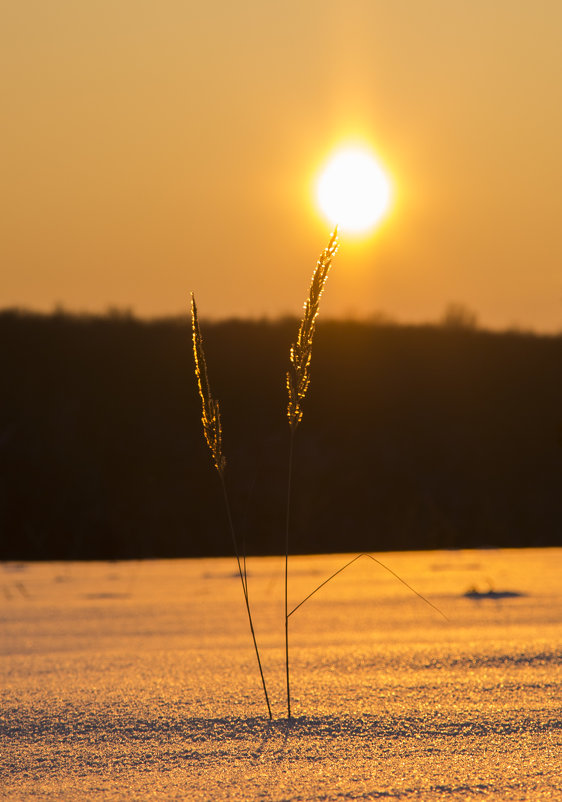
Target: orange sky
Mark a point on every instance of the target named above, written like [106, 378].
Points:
[153, 148]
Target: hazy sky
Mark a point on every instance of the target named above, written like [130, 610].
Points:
[151, 148]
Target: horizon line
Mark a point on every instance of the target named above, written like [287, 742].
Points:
[455, 317]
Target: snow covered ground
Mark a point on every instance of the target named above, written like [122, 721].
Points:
[137, 680]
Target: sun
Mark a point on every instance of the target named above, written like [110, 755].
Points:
[353, 191]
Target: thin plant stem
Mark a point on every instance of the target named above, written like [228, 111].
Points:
[212, 430]
[386, 568]
[298, 380]
[244, 537]
[244, 580]
[289, 487]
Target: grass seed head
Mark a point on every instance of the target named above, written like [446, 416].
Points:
[210, 417]
[300, 354]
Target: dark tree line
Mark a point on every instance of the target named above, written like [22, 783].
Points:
[413, 437]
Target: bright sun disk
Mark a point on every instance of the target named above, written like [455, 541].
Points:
[353, 191]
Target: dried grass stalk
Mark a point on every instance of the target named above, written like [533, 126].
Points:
[298, 375]
[212, 429]
[298, 379]
[210, 417]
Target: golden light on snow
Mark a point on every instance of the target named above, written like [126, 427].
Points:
[353, 191]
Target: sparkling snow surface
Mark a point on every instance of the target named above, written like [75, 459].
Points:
[138, 680]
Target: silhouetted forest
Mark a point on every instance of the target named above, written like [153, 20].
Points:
[414, 437]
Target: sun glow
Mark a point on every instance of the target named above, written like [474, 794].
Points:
[353, 191]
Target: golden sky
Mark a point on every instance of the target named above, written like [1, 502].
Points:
[153, 148]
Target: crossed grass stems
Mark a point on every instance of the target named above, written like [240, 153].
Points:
[298, 381]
